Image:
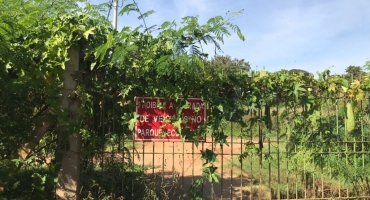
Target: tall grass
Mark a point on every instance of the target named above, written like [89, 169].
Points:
[287, 175]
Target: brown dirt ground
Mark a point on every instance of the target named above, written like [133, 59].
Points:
[169, 159]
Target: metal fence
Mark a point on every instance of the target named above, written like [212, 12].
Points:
[296, 158]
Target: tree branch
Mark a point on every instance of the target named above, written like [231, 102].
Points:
[40, 112]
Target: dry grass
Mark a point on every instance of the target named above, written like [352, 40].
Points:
[257, 192]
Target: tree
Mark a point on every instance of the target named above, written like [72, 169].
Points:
[367, 65]
[354, 73]
[299, 71]
[226, 63]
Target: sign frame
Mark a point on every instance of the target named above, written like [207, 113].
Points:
[166, 139]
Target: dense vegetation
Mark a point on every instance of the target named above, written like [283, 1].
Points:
[115, 66]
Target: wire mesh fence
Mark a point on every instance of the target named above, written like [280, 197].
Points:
[297, 157]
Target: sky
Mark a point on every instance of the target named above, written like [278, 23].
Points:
[312, 35]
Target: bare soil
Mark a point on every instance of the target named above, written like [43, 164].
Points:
[173, 166]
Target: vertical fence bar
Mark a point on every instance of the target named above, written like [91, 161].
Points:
[101, 144]
[296, 175]
[362, 147]
[183, 164]
[241, 164]
[304, 175]
[346, 139]
[330, 148]
[354, 150]
[278, 148]
[192, 168]
[142, 157]
[222, 170]
[113, 130]
[314, 173]
[103, 140]
[232, 160]
[251, 163]
[328, 108]
[163, 164]
[133, 165]
[153, 155]
[304, 158]
[173, 175]
[362, 137]
[269, 153]
[321, 156]
[212, 189]
[296, 168]
[113, 141]
[123, 154]
[363, 152]
[286, 150]
[260, 141]
[337, 125]
[260, 152]
[202, 175]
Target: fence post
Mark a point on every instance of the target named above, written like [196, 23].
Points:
[69, 183]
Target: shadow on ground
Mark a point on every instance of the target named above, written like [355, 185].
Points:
[171, 186]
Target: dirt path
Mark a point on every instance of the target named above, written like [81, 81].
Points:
[168, 159]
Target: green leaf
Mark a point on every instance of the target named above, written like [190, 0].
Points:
[146, 14]
[132, 48]
[88, 32]
[166, 24]
[350, 122]
[177, 124]
[101, 51]
[43, 179]
[345, 82]
[132, 121]
[215, 178]
[240, 34]
[332, 87]
[220, 108]
[297, 88]
[209, 156]
[268, 157]
[128, 8]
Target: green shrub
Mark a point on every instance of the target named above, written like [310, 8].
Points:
[114, 180]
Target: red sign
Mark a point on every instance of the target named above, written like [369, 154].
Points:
[155, 115]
